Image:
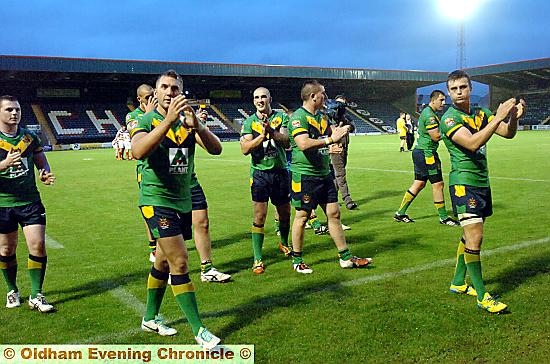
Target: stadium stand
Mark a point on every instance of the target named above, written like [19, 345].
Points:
[381, 115]
[84, 100]
[74, 122]
[538, 110]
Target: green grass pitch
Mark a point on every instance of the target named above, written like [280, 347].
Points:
[398, 310]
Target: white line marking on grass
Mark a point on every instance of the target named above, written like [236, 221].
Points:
[128, 299]
[132, 301]
[442, 263]
[53, 244]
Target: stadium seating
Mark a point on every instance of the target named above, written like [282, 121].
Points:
[96, 122]
[381, 116]
[538, 109]
[80, 122]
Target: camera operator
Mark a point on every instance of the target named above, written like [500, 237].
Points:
[339, 151]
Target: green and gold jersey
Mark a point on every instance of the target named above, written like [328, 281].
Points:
[133, 117]
[312, 162]
[427, 121]
[165, 175]
[17, 183]
[269, 155]
[467, 168]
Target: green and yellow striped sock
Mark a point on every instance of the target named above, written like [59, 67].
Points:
[408, 198]
[257, 240]
[8, 265]
[37, 271]
[473, 265]
[184, 292]
[284, 228]
[441, 210]
[460, 268]
[156, 287]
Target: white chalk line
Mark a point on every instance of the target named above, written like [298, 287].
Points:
[247, 161]
[53, 244]
[134, 303]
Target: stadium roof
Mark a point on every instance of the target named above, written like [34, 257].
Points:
[368, 82]
[516, 75]
[280, 79]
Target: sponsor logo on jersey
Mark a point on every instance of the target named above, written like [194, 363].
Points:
[449, 122]
[295, 123]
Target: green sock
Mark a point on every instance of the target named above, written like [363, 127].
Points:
[184, 292]
[297, 258]
[206, 266]
[344, 254]
[37, 271]
[156, 286]
[441, 210]
[460, 268]
[473, 265]
[257, 240]
[9, 270]
[284, 227]
[408, 198]
[315, 223]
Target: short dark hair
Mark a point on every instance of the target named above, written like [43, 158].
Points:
[172, 74]
[309, 87]
[458, 74]
[435, 94]
[8, 98]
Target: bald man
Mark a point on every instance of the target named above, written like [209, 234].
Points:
[263, 137]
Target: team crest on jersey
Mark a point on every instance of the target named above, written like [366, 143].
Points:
[449, 122]
[276, 122]
[472, 203]
[178, 160]
[296, 123]
[163, 223]
[306, 198]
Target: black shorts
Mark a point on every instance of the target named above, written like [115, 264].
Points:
[198, 198]
[426, 166]
[273, 184]
[470, 202]
[31, 214]
[308, 192]
[164, 222]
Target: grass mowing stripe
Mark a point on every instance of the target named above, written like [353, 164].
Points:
[442, 263]
[130, 300]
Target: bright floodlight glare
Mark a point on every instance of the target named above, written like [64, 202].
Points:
[457, 9]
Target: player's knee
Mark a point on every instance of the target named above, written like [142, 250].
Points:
[179, 264]
[333, 214]
[37, 247]
[203, 224]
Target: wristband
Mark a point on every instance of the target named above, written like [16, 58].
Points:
[329, 141]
